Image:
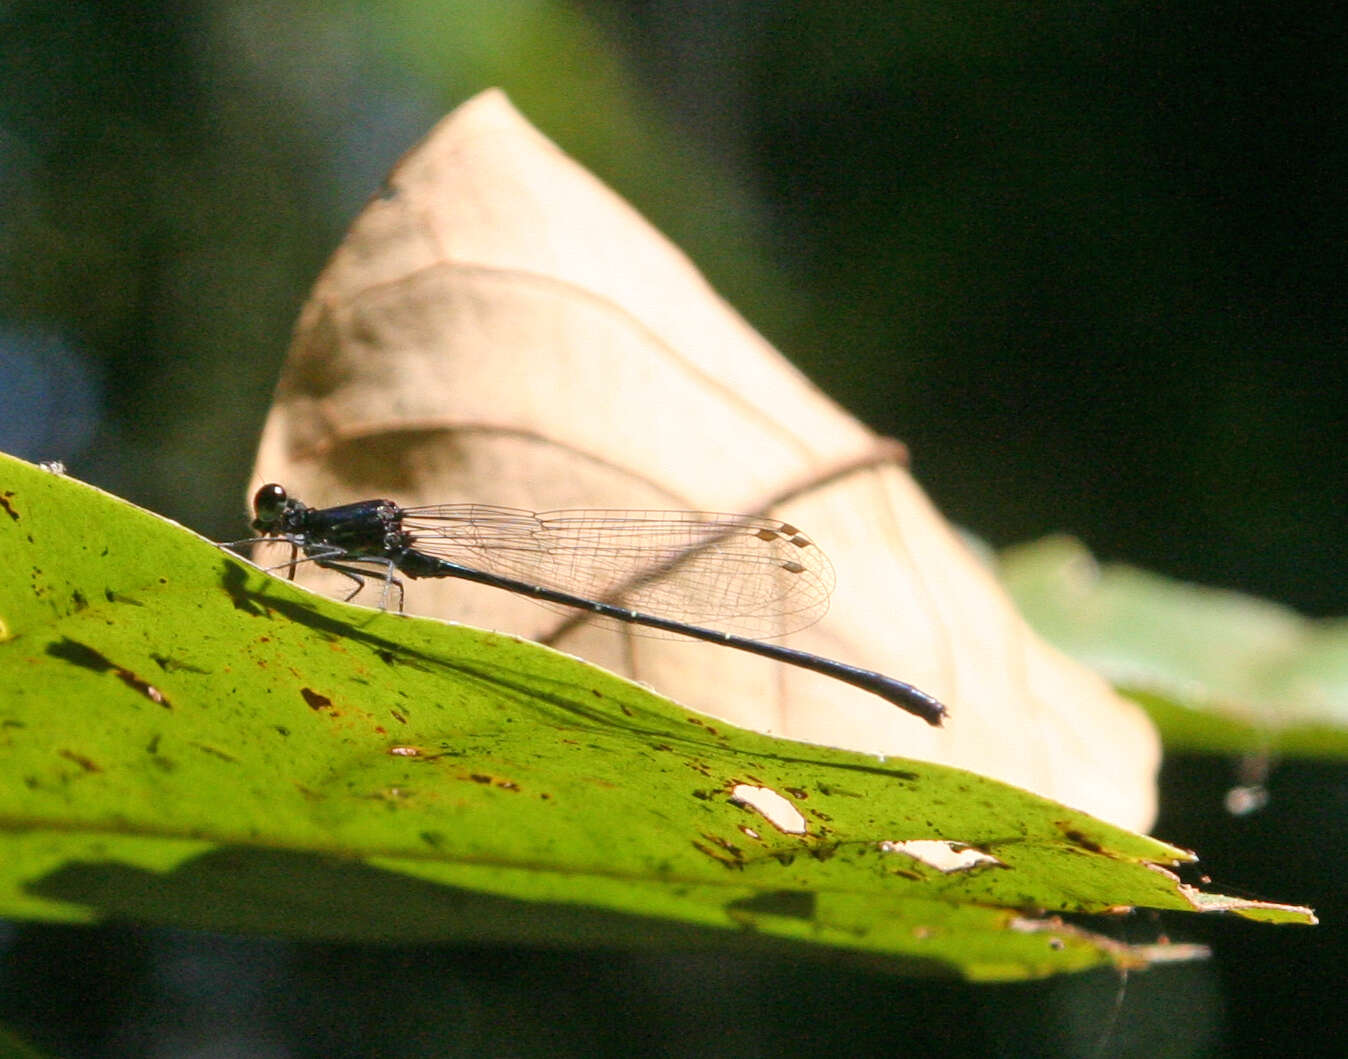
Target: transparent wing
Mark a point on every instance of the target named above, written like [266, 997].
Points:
[736, 572]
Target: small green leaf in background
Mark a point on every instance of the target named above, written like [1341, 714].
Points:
[189, 741]
[1218, 671]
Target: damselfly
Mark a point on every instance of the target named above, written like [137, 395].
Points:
[663, 570]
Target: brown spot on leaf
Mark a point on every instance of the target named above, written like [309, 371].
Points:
[80, 760]
[315, 700]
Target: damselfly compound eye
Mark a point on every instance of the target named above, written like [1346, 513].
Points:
[268, 504]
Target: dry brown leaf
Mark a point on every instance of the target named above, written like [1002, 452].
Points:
[499, 327]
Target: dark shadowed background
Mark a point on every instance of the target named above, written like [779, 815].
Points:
[1086, 259]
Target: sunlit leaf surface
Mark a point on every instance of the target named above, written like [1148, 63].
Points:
[188, 741]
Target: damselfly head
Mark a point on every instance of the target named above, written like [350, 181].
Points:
[270, 504]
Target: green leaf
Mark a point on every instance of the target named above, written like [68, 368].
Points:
[1217, 670]
[187, 740]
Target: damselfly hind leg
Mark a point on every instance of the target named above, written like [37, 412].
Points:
[326, 557]
[358, 576]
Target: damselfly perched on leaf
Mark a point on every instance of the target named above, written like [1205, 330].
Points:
[663, 570]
